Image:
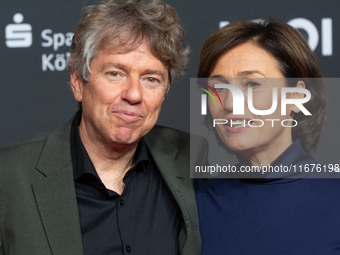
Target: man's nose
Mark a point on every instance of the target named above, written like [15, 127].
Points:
[132, 91]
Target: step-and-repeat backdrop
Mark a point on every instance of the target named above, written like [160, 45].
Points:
[36, 37]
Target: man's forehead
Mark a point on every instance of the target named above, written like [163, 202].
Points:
[142, 48]
[125, 48]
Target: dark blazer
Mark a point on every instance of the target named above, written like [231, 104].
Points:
[38, 206]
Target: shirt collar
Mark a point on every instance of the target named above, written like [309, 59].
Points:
[291, 159]
[293, 155]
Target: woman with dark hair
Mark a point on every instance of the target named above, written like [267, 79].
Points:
[285, 213]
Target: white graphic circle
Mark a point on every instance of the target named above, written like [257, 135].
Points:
[18, 18]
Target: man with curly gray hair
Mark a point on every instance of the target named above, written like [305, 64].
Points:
[109, 181]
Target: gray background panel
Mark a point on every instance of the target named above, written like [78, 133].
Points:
[33, 100]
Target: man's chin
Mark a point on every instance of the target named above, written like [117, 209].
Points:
[126, 136]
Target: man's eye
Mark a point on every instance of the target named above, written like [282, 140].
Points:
[151, 79]
[114, 74]
[151, 82]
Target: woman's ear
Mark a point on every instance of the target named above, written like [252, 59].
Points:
[294, 108]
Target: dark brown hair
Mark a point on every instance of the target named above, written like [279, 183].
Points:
[295, 58]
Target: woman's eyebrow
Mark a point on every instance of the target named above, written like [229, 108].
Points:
[249, 72]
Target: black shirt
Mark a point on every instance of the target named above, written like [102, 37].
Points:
[145, 219]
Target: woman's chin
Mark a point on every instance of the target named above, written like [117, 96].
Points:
[238, 146]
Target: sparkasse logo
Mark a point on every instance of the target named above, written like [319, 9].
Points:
[18, 35]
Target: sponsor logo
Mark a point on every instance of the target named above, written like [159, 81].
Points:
[18, 35]
[313, 35]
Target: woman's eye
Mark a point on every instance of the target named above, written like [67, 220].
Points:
[219, 90]
[253, 84]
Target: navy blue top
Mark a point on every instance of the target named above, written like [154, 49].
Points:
[270, 216]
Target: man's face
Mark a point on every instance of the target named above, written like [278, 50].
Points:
[123, 97]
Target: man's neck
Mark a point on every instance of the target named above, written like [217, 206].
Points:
[111, 161]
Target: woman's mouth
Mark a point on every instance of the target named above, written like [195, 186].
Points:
[238, 123]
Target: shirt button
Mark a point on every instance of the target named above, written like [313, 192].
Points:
[122, 203]
[128, 248]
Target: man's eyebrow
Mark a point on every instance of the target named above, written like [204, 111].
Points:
[126, 68]
[158, 72]
[113, 64]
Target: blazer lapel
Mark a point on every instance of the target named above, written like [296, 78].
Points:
[173, 163]
[165, 156]
[55, 194]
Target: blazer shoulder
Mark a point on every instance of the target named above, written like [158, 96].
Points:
[35, 144]
[17, 166]
[24, 148]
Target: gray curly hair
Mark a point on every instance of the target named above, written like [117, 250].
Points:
[125, 25]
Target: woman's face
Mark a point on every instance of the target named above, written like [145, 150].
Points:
[247, 65]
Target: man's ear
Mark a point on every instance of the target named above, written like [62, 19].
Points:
[77, 86]
[294, 108]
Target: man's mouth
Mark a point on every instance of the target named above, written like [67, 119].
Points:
[128, 115]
